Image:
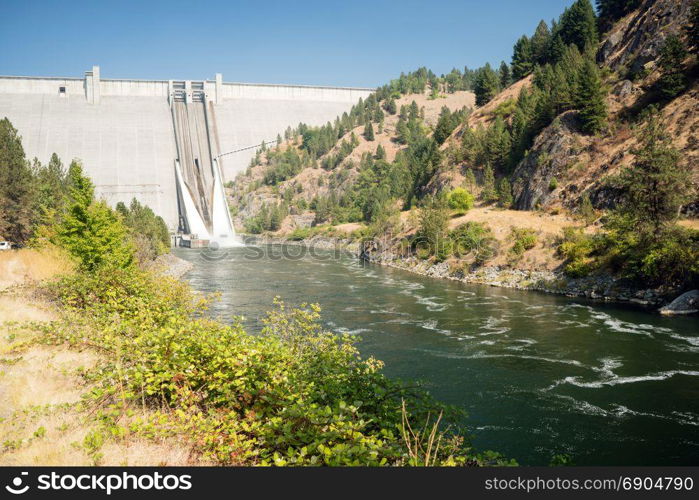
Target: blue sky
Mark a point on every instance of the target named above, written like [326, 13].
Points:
[355, 43]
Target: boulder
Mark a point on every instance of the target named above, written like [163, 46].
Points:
[687, 303]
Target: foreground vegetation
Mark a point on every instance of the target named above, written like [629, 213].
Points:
[294, 395]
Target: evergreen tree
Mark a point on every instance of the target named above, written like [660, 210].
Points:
[17, 193]
[275, 218]
[380, 153]
[522, 58]
[578, 25]
[52, 191]
[540, 43]
[488, 193]
[469, 180]
[693, 27]
[369, 132]
[90, 230]
[434, 223]
[487, 85]
[402, 131]
[657, 184]
[446, 124]
[591, 99]
[148, 230]
[672, 79]
[378, 114]
[391, 106]
[498, 144]
[505, 75]
[556, 49]
[504, 193]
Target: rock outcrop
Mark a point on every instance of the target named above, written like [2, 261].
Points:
[555, 148]
[636, 40]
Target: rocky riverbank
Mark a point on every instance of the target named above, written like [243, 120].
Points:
[600, 287]
[171, 265]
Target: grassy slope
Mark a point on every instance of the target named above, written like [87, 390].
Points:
[39, 421]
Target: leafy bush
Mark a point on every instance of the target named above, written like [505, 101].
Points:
[524, 239]
[474, 238]
[460, 201]
[578, 249]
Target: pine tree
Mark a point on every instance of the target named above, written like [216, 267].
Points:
[488, 193]
[591, 99]
[434, 223]
[369, 132]
[505, 75]
[522, 58]
[17, 193]
[470, 180]
[391, 106]
[380, 153]
[275, 219]
[672, 79]
[498, 144]
[52, 188]
[657, 184]
[446, 124]
[556, 49]
[487, 85]
[578, 26]
[540, 43]
[693, 27]
[504, 193]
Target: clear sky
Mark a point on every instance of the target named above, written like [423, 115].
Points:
[350, 42]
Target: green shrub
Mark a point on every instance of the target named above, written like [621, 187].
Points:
[460, 201]
[553, 184]
[578, 249]
[524, 239]
[476, 239]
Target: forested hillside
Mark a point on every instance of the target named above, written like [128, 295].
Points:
[592, 125]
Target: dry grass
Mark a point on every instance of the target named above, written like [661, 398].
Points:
[40, 422]
[32, 265]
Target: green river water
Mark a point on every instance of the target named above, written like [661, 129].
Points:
[538, 374]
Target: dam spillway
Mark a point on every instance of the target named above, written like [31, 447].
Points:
[125, 132]
[202, 206]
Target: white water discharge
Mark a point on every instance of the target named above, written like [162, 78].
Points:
[203, 207]
[223, 231]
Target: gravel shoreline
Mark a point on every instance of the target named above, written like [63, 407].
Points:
[603, 288]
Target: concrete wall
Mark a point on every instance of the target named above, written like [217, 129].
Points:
[123, 133]
[127, 145]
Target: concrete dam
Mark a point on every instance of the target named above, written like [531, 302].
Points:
[162, 141]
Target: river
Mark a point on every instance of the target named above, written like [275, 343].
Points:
[538, 374]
